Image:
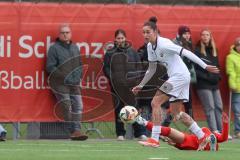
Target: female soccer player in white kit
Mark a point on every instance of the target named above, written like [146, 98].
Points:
[176, 88]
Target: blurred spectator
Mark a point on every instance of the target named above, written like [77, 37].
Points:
[122, 73]
[207, 83]
[3, 133]
[184, 39]
[233, 72]
[64, 58]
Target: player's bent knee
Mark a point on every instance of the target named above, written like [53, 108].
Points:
[154, 104]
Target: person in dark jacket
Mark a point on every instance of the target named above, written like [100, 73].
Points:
[207, 83]
[65, 73]
[184, 39]
[123, 71]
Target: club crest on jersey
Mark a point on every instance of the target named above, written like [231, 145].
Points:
[166, 87]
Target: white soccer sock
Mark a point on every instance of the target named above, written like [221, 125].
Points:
[156, 130]
[195, 129]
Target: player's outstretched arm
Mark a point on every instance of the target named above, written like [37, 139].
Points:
[222, 137]
[225, 118]
[197, 60]
[225, 130]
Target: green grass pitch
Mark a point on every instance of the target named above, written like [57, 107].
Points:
[107, 149]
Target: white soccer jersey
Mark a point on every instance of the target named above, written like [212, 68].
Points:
[168, 54]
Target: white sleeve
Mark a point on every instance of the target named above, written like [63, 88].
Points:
[170, 48]
[193, 57]
[149, 73]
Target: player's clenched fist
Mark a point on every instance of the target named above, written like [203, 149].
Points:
[136, 89]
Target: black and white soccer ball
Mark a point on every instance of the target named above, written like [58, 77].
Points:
[128, 114]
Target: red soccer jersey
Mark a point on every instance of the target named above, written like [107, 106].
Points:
[222, 137]
[190, 142]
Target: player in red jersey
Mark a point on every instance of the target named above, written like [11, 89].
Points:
[186, 141]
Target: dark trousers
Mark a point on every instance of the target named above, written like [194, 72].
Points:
[71, 107]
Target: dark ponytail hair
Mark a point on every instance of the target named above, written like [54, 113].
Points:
[152, 23]
[120, 31]
[153, 19]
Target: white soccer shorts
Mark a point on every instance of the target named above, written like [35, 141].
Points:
[177, 87]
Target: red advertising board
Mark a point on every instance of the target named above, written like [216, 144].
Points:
[28, 29]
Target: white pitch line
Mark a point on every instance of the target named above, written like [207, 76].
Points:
[231, 149]
[110, 150]
[157, 158]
